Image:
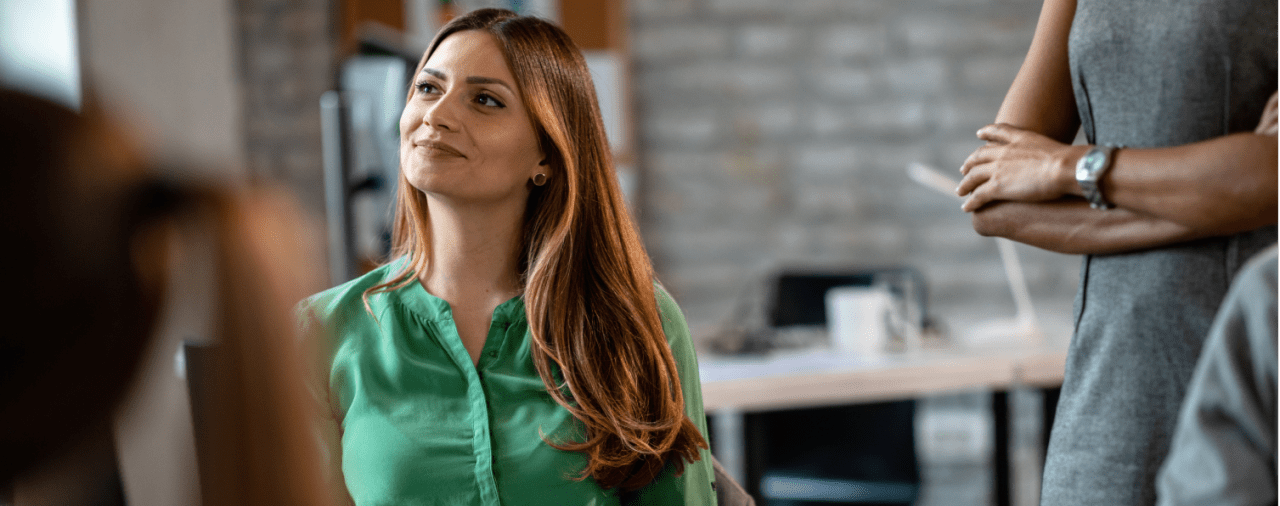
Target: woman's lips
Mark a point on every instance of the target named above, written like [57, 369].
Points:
[440, 149]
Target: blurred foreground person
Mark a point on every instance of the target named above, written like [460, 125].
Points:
[92, 240]
[517, 349]
[1224, 447]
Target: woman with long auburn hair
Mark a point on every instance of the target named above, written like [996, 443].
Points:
[516, 349]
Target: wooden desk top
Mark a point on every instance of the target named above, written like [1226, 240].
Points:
[823, 377]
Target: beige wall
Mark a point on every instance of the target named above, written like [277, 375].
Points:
[170, 65]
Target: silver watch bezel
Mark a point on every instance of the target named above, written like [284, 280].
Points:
[1089, 170]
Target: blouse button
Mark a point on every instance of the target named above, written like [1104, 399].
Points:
[493, 353]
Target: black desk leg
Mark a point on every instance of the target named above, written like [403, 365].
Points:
[1000, 414]
[1050, 406]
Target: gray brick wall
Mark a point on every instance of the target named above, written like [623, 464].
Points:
[287, 60]
[775, 134]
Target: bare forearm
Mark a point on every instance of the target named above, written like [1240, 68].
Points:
[1220, 186]
[1070, 226]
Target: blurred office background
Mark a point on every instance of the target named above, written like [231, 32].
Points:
[753, 136]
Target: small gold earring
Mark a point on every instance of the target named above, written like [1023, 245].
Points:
[539, 179]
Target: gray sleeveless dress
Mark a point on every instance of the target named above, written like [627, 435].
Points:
[1151, 73]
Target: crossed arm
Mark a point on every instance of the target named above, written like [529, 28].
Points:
[1021, 184]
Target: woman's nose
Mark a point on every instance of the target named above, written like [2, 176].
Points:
[440, 114]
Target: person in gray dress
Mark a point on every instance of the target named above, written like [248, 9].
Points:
[1172, 192]
[1224, 446]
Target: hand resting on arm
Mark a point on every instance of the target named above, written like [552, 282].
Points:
[1219, 186]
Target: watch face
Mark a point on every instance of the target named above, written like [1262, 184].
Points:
[1090, 165]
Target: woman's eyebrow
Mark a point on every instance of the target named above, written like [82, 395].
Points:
[470, 80]
[488, 80]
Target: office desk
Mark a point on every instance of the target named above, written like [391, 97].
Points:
[822, 377]
[814, 378]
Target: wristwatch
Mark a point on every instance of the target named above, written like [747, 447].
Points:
[1090, 169]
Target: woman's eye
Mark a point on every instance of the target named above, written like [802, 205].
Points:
[426, 87]
[486, 99]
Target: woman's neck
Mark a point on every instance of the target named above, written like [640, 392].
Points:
[474, 252]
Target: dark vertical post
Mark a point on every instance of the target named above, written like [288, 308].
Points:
[1050, 406]
[1000, 412]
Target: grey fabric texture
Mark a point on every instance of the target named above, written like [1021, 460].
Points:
[1224, 446]
[728, 491]
[1151, 73]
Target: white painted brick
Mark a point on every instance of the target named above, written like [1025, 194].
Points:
[827, 122]
[885, 243]
[653, 10]
[966, 116]
[966, 3]
[758, 165]
[679, 42]
[684, 165]
[901, 119]
[864, 11]
[970, 35]
[792, 240]
[825, 161]
[720, 79]
[853, 41]
[893, 158]
[825, 201]
[862, 244]
[768, 119]
[917, 76]
[844, 82]
[803, 10]
[682, 127]
[733, 8]
[762, 41]
[991, 73]
[763, 80]
[720, 202]
[954, 238]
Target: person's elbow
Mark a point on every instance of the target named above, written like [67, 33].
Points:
[989, 222]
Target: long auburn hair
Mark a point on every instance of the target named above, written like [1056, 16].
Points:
[597, 338]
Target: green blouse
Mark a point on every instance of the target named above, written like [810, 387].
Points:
[420, 424]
